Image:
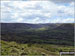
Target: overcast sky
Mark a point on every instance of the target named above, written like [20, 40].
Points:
[39, 11]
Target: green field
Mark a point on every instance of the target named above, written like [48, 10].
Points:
[13, 48]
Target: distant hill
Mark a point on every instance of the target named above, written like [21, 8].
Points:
[38, 33]
[66, 27]
[25, 25]
[13, 27]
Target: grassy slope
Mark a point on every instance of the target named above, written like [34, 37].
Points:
[13, 48]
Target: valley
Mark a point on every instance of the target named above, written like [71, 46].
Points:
[36, 39]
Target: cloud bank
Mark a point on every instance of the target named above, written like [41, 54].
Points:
[37, 11]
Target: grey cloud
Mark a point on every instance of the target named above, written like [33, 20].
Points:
[62, 1]
[56, 1]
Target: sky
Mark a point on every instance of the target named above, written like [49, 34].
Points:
[37, 11]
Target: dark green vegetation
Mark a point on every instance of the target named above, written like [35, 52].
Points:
[36, 39]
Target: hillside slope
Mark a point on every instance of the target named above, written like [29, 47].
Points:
[62, 34]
